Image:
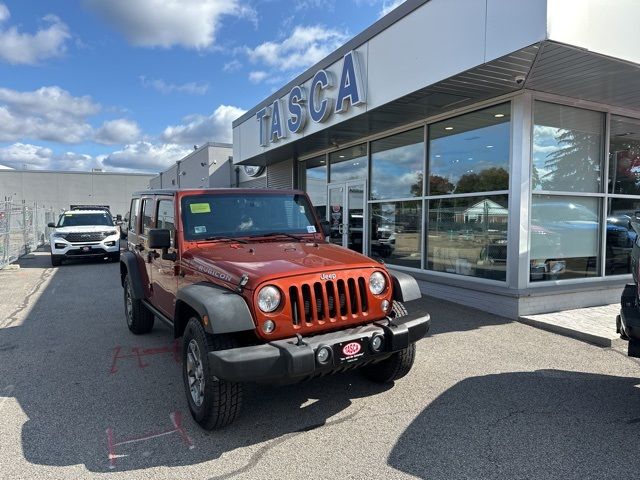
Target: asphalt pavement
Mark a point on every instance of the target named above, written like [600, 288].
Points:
[82, 397]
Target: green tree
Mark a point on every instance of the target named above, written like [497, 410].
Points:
[575, 166]
[490, 179]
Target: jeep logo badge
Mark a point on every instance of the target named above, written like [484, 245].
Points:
[328, 276]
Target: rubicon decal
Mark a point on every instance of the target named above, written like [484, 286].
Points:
[351, 349]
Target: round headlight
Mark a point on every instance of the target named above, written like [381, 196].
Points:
[268, 298]
[377, 283]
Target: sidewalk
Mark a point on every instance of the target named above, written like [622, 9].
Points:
[595, 325]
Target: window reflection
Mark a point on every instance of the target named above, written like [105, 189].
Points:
[348, 164]
[396, 229]
[470, 153]
[564, 237]
[468, 236]
[624, 156]
[316, 184]
[620, 235]
[567, 145]
[396, 165]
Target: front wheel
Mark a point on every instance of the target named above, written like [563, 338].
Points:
[213, 402]
[56, 260]
[393, 368]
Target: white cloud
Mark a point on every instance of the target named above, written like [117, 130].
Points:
[145, 156]
[200, 129]
[49, 113]
[232, 66]
[303, 48]
[387, 6]
[162, 23]
[30, 49]
[118, 131]
[192, 88]
[25, 155]
[258, 76]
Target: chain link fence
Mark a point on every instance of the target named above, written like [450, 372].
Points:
[23, 228]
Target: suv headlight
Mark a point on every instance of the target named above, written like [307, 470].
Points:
[109, 233]
[269, 298]
[59, 235]
[377, 283]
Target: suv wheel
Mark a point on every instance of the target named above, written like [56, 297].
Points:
[139, 318]
[56, 260]
[398, 364]
[213, 402]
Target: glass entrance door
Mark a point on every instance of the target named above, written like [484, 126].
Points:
[346, 214]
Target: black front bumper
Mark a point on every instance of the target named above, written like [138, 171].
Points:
[289, 360]
[630, 311]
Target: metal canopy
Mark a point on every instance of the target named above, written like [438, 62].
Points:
[547, 67]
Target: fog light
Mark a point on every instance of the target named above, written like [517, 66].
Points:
[323, 355]
[60, 245]
[385, 305]
[377, 342]
[268, 326]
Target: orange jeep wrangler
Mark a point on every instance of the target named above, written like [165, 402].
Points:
[248, 281]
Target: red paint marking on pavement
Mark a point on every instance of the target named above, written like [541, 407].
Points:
[138, 353]
[176, 420]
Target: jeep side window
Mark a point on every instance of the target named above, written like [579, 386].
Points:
[147, 215]
[133, 215]
[165, 217]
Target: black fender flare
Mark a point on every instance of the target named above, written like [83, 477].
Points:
[129, 265]
[226, 310]
[405, 287]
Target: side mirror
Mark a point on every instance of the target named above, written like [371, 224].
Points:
[51, 225]
[326, 228]
[159, 238]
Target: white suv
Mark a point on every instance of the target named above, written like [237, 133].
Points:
[84, 234]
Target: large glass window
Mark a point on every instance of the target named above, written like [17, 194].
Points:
[470, 153]
[165, 217]
[565, 237]
[396, 229]
[567, 148]
[348, 164]
[396, 166]
[620, 235]
[147, 215]
[468, 236]
[624, 156]
[316, 184]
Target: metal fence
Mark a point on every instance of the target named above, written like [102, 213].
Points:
[23, 228]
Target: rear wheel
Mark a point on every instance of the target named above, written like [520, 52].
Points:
[139, 318]
[213, 402]
[56, 260]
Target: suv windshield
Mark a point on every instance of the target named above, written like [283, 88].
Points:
[245, 215]
[78, 219]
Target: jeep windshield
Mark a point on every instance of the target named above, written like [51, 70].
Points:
[82, 219]
[246, 215]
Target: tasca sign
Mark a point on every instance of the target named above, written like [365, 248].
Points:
[289, 116]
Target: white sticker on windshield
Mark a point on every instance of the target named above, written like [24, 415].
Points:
[199, 229]
[301, 207]
[311, 229]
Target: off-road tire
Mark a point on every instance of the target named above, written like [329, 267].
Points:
[56, 260]
[222, 400]
[620, 329]
[634, 348]
[139, 318]
[397, 365]
[393, 368]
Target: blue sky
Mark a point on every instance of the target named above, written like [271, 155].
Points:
[132, 85]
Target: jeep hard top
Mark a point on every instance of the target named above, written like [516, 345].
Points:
[248, 281]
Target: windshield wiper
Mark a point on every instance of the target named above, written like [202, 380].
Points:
[275, 234]
[223, 239]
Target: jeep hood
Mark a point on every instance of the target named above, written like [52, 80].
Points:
[269, 260]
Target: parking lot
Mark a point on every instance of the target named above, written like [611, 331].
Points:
[81, 397]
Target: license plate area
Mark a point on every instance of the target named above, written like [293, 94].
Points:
[351, 351]
[86, 249]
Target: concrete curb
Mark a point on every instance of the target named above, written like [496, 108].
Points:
[594, 339]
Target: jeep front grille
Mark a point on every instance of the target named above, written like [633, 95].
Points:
[84, 237]
[328, 301]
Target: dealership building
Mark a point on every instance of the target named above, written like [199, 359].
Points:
[491, 148]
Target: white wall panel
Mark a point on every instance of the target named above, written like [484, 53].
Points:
[513, 24]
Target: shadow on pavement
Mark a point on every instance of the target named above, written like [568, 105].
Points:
[543, 424]
[73, 368]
